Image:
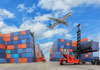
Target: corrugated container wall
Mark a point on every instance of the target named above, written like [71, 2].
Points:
[2, 50]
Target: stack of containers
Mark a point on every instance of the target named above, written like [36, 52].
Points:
[38, 52]
[90, 56]
[19, 47]
[51, 54]
[2, 50]
[62, 46]
[67, 46]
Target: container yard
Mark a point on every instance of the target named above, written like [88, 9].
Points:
[49, 35]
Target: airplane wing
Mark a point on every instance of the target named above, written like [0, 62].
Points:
[67, 15]
[52, 18]
[55, 24]
[66, 24]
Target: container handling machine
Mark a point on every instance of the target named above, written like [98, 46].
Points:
[79, 51]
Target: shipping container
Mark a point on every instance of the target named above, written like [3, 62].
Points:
[2, 50]
[68, 46]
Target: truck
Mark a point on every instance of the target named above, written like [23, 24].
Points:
[68, 59]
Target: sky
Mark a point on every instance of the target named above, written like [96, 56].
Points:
[17, 15]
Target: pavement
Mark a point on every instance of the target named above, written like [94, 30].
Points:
[47, 66]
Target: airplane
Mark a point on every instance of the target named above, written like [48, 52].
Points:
[59, 21]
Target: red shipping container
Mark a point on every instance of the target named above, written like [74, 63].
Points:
[12, 60]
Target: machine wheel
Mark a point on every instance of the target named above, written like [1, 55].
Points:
[93, 63]
[83, 62]
[63, 62]
[98, 63]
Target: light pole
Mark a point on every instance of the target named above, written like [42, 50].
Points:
[33, 46]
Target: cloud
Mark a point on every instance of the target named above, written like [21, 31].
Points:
[46, 49]
[7, 29]
[21, 7]
[68, 36]
[42, 18]
[57, 31]
[5, 14]
[95, 37]
[65, 5]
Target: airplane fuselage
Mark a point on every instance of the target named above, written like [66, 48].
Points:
[61, 21]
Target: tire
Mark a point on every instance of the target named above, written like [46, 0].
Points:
[63, 62]
[93, 63]
[98, 63]
[83, 62]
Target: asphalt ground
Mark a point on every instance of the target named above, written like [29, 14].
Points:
[47, 66]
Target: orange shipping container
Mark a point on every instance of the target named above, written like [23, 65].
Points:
[23, 32]
[23, 45]
[2, 46]
[70, 50]
[74, 42]
[6, 39]
[19, 46]
[68, 44]
[84, 40]
[0, 35]
[62, 40]
[20, 60]
[25, 60]
[7, 35]
[15, 37]
[8, 55]
[89, 53]
[86, 55]
[74, 45]
[5, 43]
[61, 49]
[10, 47]
[12, 60]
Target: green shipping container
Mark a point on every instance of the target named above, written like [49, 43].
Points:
[8, 51]
[15, 55]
